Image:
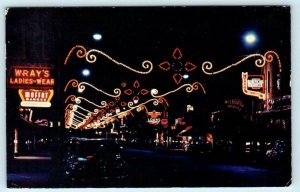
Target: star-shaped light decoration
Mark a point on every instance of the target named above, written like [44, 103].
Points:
[135, 91]
[177, 66]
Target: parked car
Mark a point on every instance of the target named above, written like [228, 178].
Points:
[199, 144]
[177, 144]
[277, 152]
[93, 160]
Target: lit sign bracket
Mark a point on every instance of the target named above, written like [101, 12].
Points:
[248, 90]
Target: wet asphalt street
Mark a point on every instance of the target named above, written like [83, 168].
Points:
[157, 168]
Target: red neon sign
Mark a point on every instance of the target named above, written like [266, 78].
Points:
[30, 77]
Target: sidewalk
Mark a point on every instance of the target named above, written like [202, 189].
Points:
[39, 155]
[33, 158]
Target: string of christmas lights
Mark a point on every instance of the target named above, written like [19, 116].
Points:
[269, 58]
[259, 62]
[157, 99]
[78, 101]
[109, 119]
[81, 52]
[75, 119]
[92, 58]
[189, 89]
[82, 86]
[138, 108]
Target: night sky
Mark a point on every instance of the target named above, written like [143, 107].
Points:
[133, 34]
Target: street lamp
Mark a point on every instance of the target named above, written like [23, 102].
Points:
[86, 72]
[250, 39]
[185, 76]
[97, 36]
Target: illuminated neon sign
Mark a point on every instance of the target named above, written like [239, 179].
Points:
[35, 98]
[256, 82]
[30, 77]
[154, 117]
[236, 104]
[251, 84]
[164, 121]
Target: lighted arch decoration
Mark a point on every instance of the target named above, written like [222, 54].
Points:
[91, 57]
[177, 66]
[73, 82]
[80, 53]
[75, 114]
[78, 101]
[189, 88]
[80, 114]
[123, 112]
[72, 111]
[92, 121]
[260, 61]
[142, 106]
[269, 58]
[89, 113]
[102, 121]
[82, 86]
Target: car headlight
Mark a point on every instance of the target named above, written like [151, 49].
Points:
[118, 156]
[82, 159]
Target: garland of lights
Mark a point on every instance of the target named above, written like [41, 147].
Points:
[92, 58]
[189, 89]
[157, 99]
[82, 115]
[106, 120]
[259, 62]
[70, 114]
[69, 106]
[142, 107]
[81, 87]
[138, 108]
[73, 82]
[78, 101]
[98, 119]
[207, 65]
[71, 126]
[74, 108]
[68, 117]
[81, 52]
[269, 58]
[123, 114]
[77, 116]
[86, 110]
